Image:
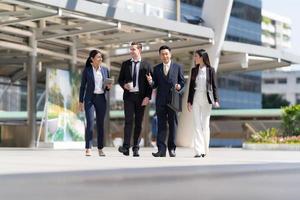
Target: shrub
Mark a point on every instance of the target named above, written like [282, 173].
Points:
[268, 136]
[291, 120]
[273, 136]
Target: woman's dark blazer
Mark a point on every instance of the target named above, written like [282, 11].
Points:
[211, 87]
[87, 86]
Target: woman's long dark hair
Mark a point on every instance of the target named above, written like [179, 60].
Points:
[92, 54]
[202, 53]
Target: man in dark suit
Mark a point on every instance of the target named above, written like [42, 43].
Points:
[166, 75]
[137, 93]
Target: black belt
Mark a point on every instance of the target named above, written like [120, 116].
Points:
[134, 93]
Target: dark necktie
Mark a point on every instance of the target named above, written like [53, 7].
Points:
[134, 74]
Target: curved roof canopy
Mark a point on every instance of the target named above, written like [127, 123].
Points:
[64, 31]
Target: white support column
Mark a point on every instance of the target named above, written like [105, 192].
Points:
[73, 54]
[107, 133]
[31, 90]
[178, 10]
[216, 15]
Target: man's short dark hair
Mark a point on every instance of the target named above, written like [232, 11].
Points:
[164, 47]
[138, 44]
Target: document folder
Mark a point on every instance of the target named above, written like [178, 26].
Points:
[176, 101]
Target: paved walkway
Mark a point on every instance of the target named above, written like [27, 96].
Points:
[225, 174]
[15, 161]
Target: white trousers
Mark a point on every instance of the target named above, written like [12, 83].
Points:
[201, 115]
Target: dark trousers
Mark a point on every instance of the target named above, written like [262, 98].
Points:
[134, 112]
[164, 115]
[98, 105]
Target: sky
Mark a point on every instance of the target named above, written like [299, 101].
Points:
[290, 9]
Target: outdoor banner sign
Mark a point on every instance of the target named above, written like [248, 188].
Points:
[64, 122]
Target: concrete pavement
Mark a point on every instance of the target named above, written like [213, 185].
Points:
[224, 174]
[16, 160]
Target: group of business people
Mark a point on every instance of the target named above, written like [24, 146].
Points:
[138, 79]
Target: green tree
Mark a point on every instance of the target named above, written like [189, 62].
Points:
[274, 101]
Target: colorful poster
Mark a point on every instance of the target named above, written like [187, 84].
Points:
[64, 121]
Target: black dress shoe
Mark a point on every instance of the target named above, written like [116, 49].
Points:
[172, 153]
[159, 154]
[124, 151]
[136, 153]
[203, 155]
[198, 156]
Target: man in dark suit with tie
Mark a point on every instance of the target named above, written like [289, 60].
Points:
[166, 75]
[137, 93]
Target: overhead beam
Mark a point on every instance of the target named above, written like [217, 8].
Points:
[11, 38]
[122, 38]
[16, 31]
[84, 29]
[56, 55]
[61, 41]
[176, 49]
[240, 58]
[36, 16]
[30, 5]
[20, 74]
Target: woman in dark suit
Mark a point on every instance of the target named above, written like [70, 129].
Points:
[202, 95]
[92, 99]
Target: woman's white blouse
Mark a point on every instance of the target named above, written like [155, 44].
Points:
[98, 81]
[201, 80]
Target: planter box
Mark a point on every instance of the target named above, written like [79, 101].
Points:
[288, 147]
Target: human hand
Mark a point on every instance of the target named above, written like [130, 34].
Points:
[109, 86]
[149, 78]
[80, 107]
[127, 86]
[145, 101]
[189, 107]
[216, 105]
[177, 87]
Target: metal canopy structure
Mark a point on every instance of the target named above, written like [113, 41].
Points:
[65, 31]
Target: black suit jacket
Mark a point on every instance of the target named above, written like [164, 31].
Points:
[164, 83]
[211, 87]
[125, 76]
[87, 86]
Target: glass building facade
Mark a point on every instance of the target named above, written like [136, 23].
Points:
[240, 90]
[245, 22]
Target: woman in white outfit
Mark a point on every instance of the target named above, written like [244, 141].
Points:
[202, 96]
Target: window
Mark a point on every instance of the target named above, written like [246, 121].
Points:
[233, 84]
[246, 12]
[269, 81]
[298, 80]
[222, 82]
[282, 81]
[198, 3]
[298, 98]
